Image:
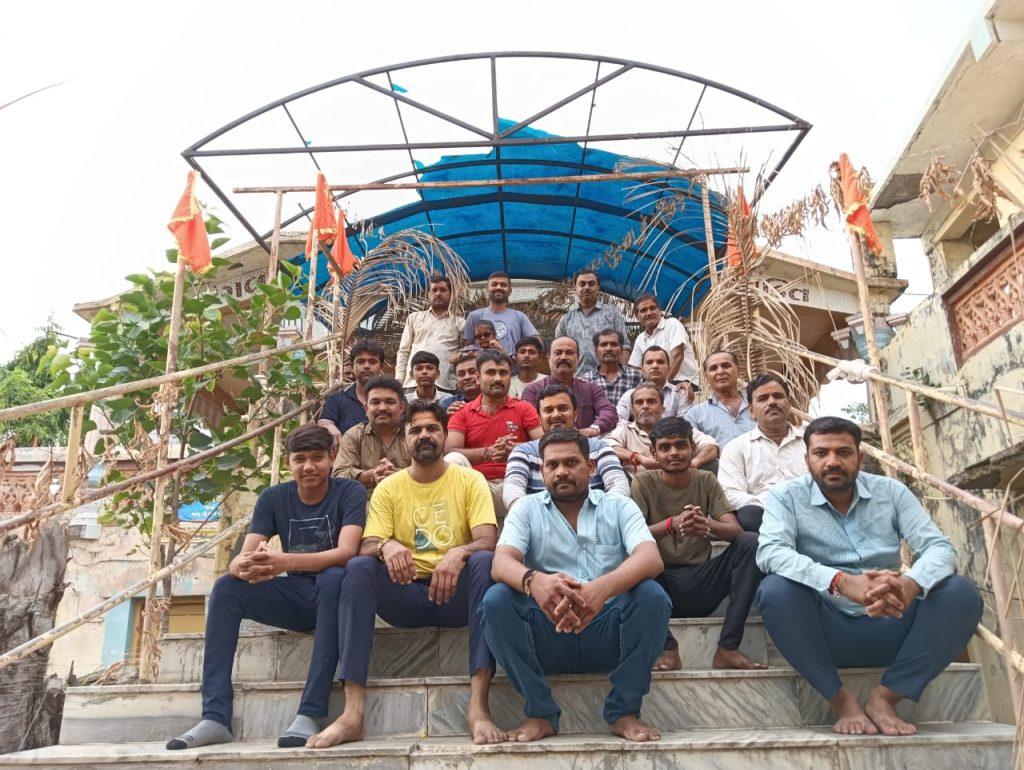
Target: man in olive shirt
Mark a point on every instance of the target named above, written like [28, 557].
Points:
[371, 451]
[685, 507]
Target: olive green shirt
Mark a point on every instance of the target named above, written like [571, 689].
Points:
[658, 501]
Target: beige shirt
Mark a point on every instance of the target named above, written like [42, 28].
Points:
[517, 386]
[752, 463]
[440, 336]
[361, 449]
[629, 436]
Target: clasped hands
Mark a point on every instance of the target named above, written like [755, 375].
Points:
[443, 581]
[260, 565]
[499, 451]
[568, 603]
[884, 593]
[692, 522]
[379, 472]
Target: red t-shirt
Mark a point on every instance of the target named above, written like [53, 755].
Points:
[482, 429]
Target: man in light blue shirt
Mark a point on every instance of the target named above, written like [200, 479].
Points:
[833, 596]
[726, 414]
[575, 593]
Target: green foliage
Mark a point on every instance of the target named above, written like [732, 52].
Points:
[129, 342]
[857, 411]
[37, 372]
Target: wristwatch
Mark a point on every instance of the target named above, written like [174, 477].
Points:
[527, 580]
[380, 548]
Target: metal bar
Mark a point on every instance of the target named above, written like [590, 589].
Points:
[473, 143]
[302, 138]
[583, 156]
[74, 451]
[778, 166]
[562, 102]
[420, 106]
[689, 123]
[412, 160]
[227, 202]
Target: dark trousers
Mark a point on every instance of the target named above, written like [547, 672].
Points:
[292, 602]
[624, 639]
[750, 517]
[817, 638]
[369, 591]
[696, 591]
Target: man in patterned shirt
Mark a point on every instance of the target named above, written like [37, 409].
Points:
[612, 375]
[588, 318]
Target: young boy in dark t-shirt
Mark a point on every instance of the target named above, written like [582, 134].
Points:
[320, 522]
[685, 507]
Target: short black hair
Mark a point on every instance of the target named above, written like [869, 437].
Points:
[496, 356]
[645, 298]
[438, 278]
[606, 332]
[764, 379]
[309, 438]
[648, 386]
[656, 349]
[499, 274]
[484, 322]
[366, 345]
[833, 425]
[585, 271]
[388, 383]
[671, 427]
[530, 342]
[719, 352]
[424, 357]
[463, 358]
[419, 405]
[555, 389]
[565, 436]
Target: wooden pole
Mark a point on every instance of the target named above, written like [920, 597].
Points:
[314, 262]
[333, 372]
[916, 434]
[863, 298]
[1002, 599]
[709, 234]
[167, 399]
[74, 452]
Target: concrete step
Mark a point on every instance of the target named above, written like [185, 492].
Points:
[266, 654]
[436, 706]
[935, 747]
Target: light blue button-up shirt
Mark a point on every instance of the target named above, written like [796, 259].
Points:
[804, 538]
[715, 419]
[609, 528]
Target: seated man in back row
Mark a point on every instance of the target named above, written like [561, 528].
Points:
[575, 593]
[833, 596]
[319, 521]
[371, 451]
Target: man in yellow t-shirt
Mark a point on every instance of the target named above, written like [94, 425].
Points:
[425, 560]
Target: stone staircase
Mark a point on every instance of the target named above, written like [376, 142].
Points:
[418, 694]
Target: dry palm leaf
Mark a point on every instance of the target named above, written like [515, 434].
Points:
[940, 179]
[986, 189]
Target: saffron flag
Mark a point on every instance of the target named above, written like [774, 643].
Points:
[858, 218]
[189, 229]
[341, 255]
[324, 222]
[733, 252]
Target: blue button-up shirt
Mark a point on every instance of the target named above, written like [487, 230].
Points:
[343, 409]
[715, 419]
[609, 528]
[804, 538]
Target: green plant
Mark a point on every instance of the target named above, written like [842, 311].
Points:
[857, 411]
[37, 372]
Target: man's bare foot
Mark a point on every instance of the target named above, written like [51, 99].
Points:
[881, 709]
[345, 729]
[532, 729]
[668, 661]
[850, 717]
[632, 729]
[735, 659]
[482, 728]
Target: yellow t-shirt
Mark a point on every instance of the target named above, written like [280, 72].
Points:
[428, 519]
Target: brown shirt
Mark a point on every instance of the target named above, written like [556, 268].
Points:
[361, 449]
[658, 501]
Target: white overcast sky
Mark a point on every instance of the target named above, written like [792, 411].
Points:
[91, 169]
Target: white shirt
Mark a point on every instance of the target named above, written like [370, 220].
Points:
[517, 386]
[632, 438]
[669, 333]
[751, 464]
[673, 402]
[440, 336]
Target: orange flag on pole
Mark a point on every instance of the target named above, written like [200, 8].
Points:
[324, 221]
[733, 252]
[189, 229]
[858, 218]
[341, 254]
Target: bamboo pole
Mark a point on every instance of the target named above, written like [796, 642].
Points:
[167, 399]
[997, 644]
[314, 262]
[667, 173]
[916, 434]
[1002, 598]
[70, 485]
[709, 235]
[48, 638]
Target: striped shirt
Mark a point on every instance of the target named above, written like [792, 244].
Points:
[523, 476]
[583, 326]
[628, 379]
[805, 539]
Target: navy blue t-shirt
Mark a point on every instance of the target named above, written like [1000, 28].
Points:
[343, 409]
[309, 528]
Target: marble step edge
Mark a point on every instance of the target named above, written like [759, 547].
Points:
[930, 735]
[772, 672]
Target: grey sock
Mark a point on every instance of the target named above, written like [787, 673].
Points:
[205, 733]
[298, 732]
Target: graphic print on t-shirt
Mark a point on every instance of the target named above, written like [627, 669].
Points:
[500, 329]
[432, 531]
[310, 535]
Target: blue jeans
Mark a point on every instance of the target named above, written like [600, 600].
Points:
[624, 640]
[292, 602]
[817, 638]
[369, 591]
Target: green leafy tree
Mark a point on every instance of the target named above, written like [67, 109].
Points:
[37, 372]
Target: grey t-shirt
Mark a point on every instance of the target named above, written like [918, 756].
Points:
[510, 326]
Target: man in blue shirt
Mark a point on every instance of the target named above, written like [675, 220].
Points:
[575, 593]
[320, 521]
[726, 414]
[834, 597]
[347, 407]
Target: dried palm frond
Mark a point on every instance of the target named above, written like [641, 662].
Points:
[986, 189]
[940, 179]
[795, 218]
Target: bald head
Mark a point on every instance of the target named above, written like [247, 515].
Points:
[564, 358]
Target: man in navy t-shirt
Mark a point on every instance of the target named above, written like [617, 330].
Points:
[320, 522]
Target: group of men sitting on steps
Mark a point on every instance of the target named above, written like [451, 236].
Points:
[565, 537]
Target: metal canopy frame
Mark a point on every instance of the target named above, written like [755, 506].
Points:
[491, 137]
